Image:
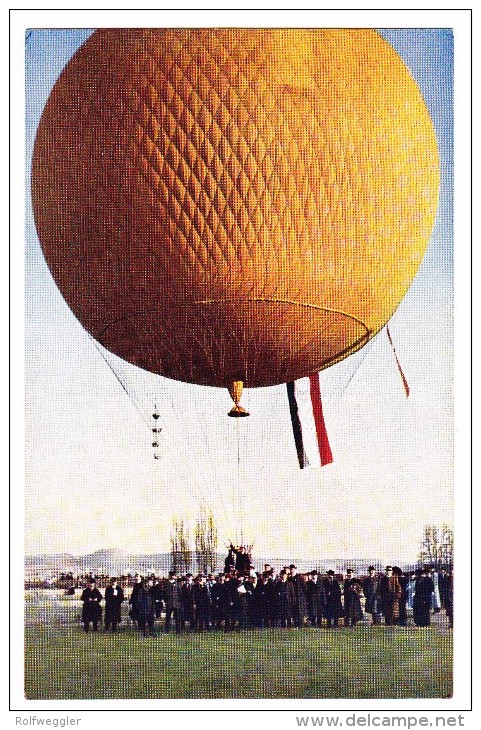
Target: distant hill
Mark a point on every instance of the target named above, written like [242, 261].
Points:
[119, 562]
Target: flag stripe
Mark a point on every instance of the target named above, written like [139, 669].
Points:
[321, 431]
[296, 426]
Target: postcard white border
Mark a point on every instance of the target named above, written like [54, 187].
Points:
[459, 21]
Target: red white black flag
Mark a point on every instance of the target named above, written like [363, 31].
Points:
[308, 426]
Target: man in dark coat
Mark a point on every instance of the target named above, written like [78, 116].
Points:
[370, 589]
[253, 610]
[403, 598]
[92, 610]
[333, 604]
[132, 600]
[274, 607]
[242, 559]
[203, 604]
[229, 562]
[352, 599]
[220, 602]
[283, 597]
[171, 597]
[242, 601]
[114, 597]
[145, 610]
[449, 597]
[443, 581]
[263, 596]
[315, 598]
[389, 592]
[423, 595]
[233, 601]
[187, 602]
[298, 596]
[157, 596]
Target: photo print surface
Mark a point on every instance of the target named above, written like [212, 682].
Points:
[239, 364]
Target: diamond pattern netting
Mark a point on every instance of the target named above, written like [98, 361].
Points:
[178, 167]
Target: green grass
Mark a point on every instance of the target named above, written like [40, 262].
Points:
[62, 662]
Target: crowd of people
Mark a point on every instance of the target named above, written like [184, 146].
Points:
[241, 598]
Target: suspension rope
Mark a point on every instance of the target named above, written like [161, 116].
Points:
[208, 488]
[239, 493]
[366, 350]
[121, 383]
[192, 477]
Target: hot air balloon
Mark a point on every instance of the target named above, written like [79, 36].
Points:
[234, 207]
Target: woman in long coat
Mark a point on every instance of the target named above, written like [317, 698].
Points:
[92, 610]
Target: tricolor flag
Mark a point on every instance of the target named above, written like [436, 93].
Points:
[308, 426]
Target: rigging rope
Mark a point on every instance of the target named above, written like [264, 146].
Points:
[191, 475]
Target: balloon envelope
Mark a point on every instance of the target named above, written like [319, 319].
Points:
[222, 205]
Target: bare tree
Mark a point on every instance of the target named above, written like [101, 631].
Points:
[211, 542]
[437, 547]
[181, 552]
[174, 545]
[447, 547]
[206, 542]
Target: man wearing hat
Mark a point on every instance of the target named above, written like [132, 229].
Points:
[114, 597]
[422, 600]
[145, 607]
[264, 597]
[389, 592]
[242, 559]
[203, 603]
[133, 598]
[315, 598]
[171, 597]
[298, 596]
[157, 595]
[220, 602]
[92, 610]
[283, 598]
[403, 582]
[352, 599]
[370, 589]
[253, 608]
[187, 601]
[333, 605]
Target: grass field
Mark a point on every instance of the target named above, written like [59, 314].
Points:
[62, 662]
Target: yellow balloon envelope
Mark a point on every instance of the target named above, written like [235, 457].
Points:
[235, 205]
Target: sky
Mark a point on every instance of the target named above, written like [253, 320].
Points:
[91, 478]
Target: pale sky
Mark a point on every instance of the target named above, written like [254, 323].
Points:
[92, 481]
